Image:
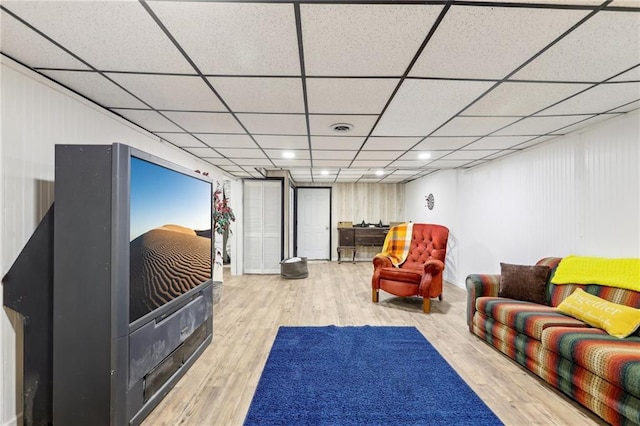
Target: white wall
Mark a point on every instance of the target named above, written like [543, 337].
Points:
[577, 194]
[36, 115]
[443, 186]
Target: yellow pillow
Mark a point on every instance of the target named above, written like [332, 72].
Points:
[617, 320]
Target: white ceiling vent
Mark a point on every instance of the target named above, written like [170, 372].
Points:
[341, 127]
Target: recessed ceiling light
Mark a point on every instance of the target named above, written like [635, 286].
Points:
[324, 172]
[424, 155]
[288, 154]
[341, 127]
[379, 172]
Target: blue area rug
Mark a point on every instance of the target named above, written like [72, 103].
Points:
[361, 376]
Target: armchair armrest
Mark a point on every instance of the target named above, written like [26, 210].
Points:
[479, 285]
[431, 268]
[380, 261]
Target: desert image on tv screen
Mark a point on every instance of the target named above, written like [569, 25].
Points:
[170, 236]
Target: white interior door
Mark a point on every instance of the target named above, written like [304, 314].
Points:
[314, 223]
[262, 226]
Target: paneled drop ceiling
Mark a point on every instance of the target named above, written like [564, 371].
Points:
[422, 85]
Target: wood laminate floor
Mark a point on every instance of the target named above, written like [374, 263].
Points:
[218, 389]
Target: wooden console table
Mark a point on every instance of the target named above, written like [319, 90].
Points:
[350, 238]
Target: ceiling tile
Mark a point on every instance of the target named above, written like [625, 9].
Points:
[631, 75]
[284, 142]
[286, 163]
[410, 164]
[628, 107]
[404, 173]
[536, 141]
[331, 163]
[220, 162]
[336, 142]
[253, 162]
[540, 125]
[435, 142]
[387, 156]
[109, 35]
[203, 152]
[603, 97]
[420, 162]
[181, 139]
[23, 44]
[226, 141]
[497, 155]
[603, 46]
[388, 143]
[448, 164]
[421, 106]
[349, 96]
[473, 126]
[205, 122]
[498, 142]
[467, 154]
[353, 172]
[279, 124]
[321, 124]
[149, 120]
[333, 155]
[178, 92]
[341, 39]
[95, 87]
[299, 154]
[244, 94]
[490, 42]
[231, 167]
[588, 122]
[370, 163]
[522, 98]
[246, 153]
[234, 38]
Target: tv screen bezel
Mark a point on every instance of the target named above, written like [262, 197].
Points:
[122, 193]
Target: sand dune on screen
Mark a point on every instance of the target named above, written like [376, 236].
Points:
[165, 263]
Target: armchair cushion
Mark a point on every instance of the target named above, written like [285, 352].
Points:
[405, 275]
[526, 283]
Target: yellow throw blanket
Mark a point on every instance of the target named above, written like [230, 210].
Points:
[397, 243]
[621, 273]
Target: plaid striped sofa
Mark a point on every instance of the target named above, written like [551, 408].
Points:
[599, 371]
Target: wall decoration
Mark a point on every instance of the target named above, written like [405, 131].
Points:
[430, 201]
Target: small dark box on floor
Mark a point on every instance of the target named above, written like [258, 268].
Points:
[294, 268]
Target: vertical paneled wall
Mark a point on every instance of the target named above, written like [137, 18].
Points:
[577, 194]
[372, 203]
[36, 115]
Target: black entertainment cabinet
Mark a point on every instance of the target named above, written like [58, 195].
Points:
[95, 366]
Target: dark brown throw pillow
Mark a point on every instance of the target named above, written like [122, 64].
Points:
[525, 283]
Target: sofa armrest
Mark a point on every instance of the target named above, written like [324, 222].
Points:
[479, 285]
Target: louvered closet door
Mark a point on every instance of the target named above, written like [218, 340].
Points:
[262, 226]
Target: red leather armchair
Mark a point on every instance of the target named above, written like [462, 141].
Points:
[421, 273]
